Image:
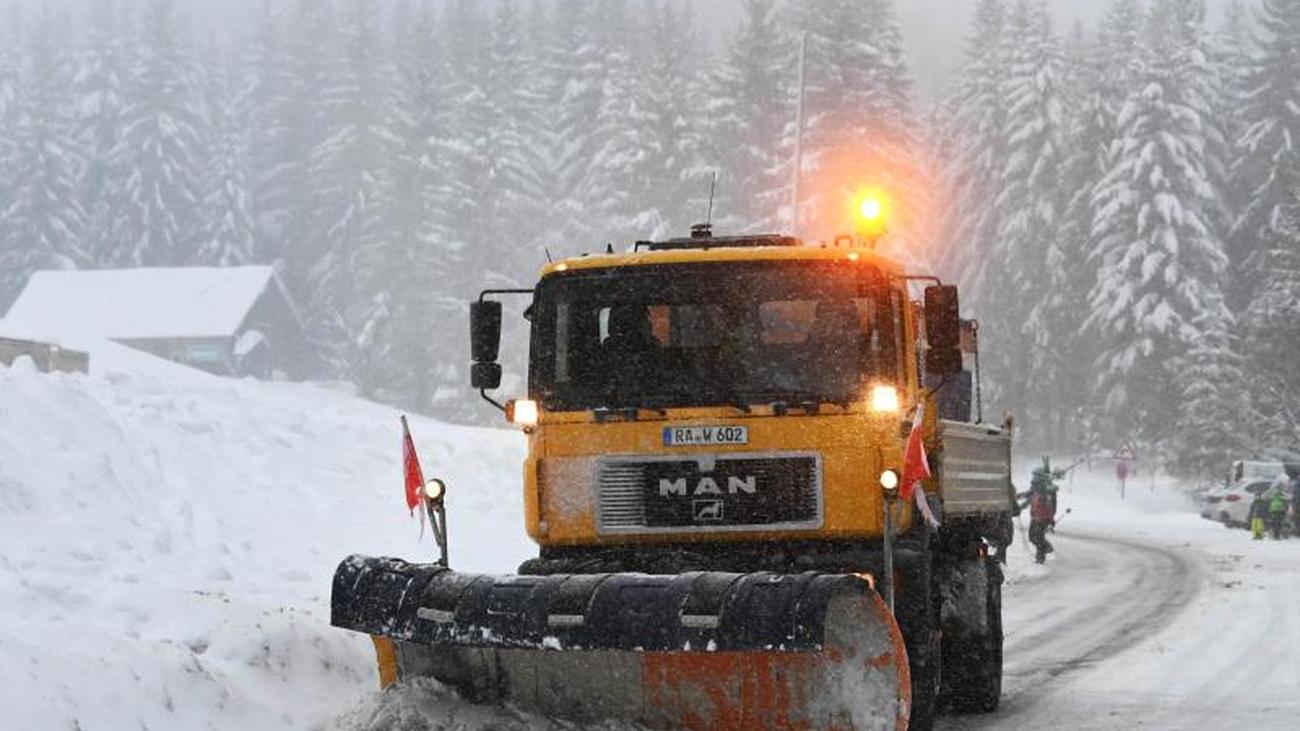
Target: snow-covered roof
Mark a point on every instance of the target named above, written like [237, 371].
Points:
[147, 302]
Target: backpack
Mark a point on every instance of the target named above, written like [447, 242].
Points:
[1277, 504]
[1042, 506]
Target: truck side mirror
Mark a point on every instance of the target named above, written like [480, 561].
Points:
[485, 343]
[485, 375]
[942, 330]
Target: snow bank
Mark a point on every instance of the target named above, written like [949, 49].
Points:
[167, 540]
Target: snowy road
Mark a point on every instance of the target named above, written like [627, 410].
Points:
[1145, 624]
[1102, 594]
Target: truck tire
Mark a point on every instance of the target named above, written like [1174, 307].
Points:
[918, 616]
[973, 664]
[926, 667]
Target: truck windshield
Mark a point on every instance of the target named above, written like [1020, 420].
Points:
[708, 334]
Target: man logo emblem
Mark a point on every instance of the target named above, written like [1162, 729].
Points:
[706, 510]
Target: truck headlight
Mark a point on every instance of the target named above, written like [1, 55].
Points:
[884, 399]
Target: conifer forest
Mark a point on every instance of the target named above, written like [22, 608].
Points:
[1118, 200]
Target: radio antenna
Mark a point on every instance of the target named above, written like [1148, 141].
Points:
[713, 185]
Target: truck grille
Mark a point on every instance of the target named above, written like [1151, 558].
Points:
[709, 493]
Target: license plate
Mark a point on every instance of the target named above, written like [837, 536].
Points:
[694, 436]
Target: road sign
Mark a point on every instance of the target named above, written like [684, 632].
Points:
[1121, 470]
[1126, 452]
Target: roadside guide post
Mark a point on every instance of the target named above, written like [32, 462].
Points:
[1123, 456]
[891, 498]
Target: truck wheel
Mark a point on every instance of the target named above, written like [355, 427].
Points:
[925, 665]
[918, 616]
[973, 676]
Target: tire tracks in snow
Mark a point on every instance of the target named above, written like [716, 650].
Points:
[1104, 596]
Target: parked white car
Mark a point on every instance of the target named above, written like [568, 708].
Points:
[1210, 500]
[1234, 508]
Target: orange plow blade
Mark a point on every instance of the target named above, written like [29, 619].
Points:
[696, 651]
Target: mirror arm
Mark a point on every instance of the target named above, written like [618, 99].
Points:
[930, 392]
[918, 278]
[484, 294]
[483, 392]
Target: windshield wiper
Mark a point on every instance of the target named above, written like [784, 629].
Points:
[806, 399]
[732, 396]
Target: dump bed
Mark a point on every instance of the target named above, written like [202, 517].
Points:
[974, 469]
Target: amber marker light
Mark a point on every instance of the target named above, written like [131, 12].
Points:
[522, 412]
[871, 208]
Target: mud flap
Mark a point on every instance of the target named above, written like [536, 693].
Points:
[696, 650]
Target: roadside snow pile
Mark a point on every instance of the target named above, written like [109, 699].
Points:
[167, 540]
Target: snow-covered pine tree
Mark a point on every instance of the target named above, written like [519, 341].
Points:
[1157, 227]
[1025, 342]
[1070, 272]
[273, 137]
[977, 129]
[156, 204]
[42, 226]
[1270, 336]
[1119, 37]
[348, 167]
[748, 111]
[10, 87]
[859, 125]
[512, 198]
[574, 71]
[283, 79]
[646, 126]
[229, 234]
[626, 147]
[669, 77]
[467, 122]
[412, 272]
[103, 69]
[1233, 56]
[1267, 167]
[1214, 421]
[1266, 238]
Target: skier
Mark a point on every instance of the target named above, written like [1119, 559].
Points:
[1277, 510]
[1041, 499]
[1258, 515]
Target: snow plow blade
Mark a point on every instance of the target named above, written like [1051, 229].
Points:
[702, 650]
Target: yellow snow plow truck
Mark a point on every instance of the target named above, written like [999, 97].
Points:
[716, 433]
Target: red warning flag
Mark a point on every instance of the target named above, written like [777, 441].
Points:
[915, 465]
[411, 467]
[916, 468]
